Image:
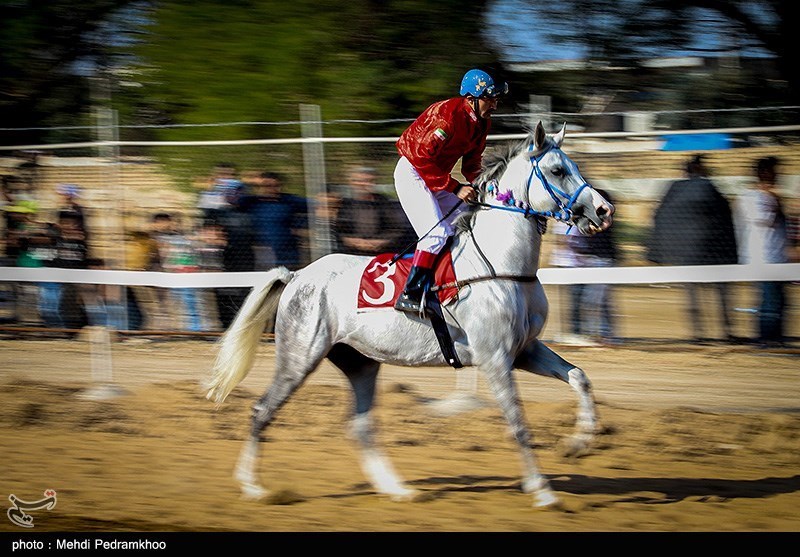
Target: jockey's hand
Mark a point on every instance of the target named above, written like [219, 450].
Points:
[466, 192]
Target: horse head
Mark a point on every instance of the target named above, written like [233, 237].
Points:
[543, 179]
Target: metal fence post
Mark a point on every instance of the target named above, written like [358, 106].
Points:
[316, 186]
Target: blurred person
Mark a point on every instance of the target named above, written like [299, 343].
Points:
[7, 302]
[325, 209]
[693, 225]
[368, 222]
[44, 252]
[103, 302]
[29, 243]
[225, 177]
[71, 252]
[592, 311]
[763, 239]
[429, 149]
[142, 254]
[60, 305]
[566, 254]
[69, 195]
[177, 254]
[17, 210]
[238, 255]
[210, 244]
[279, 218]
[20, 223]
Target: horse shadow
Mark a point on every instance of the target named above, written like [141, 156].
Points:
[646, 490]
[674, 490]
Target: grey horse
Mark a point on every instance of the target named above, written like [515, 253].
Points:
[494, 324]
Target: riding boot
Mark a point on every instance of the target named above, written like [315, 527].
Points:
[419, 281]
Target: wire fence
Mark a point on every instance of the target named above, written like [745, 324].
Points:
[162, 208]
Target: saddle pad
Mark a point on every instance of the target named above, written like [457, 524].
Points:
[382, 283]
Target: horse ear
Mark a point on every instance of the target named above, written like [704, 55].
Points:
[559, 137]
[539, 136]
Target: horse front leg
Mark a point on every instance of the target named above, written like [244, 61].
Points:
[541, 360]
[504, 388]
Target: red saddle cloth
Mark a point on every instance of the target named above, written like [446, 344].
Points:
[382, 283]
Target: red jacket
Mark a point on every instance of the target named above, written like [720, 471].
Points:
[447, 131]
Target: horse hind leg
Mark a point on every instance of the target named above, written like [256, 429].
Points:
[541, 360]
[291, 370]
[362, 373]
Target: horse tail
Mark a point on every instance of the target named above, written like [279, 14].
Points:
[237, 345]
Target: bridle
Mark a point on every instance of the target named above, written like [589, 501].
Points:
[564, 201]
[564, 214]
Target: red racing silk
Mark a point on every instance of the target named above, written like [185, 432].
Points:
[445, 132]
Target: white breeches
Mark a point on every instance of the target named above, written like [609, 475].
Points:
[425, 208]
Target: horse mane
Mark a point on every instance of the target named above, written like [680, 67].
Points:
[495, 164]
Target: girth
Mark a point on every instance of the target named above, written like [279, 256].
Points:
[434, 311]
[465, 282]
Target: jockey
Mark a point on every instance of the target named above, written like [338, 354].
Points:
[429, 149]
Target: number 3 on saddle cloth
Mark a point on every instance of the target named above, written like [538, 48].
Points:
[382, 282]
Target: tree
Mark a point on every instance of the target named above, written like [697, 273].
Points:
[50, 50]
[625, 31]
[213, 61]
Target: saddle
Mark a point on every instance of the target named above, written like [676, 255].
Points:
[382, 282]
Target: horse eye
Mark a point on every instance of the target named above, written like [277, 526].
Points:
[558, 172]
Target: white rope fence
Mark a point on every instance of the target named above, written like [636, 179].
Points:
[464, 396]
[547, 275]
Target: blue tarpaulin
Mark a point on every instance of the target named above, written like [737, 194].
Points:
[697, 142]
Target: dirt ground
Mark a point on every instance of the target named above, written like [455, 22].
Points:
[694, 438]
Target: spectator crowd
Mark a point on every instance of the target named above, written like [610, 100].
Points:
[253, 223]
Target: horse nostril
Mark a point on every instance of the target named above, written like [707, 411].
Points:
[602, 211]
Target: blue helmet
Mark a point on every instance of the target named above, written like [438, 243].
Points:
[478, 83]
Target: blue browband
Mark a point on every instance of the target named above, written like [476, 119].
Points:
[563, 201]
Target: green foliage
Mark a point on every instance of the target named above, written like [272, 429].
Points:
[256, 61]
[624, 32]
[211, 61]
[46, 48]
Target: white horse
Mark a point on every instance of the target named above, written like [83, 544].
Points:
[494, 324]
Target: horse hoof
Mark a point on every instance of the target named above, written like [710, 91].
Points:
[576, 447]
[546, 500]
[254, 492]
[405, 495]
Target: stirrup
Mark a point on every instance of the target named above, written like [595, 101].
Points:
[408, 304]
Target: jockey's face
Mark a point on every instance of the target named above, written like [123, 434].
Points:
[486, 106]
